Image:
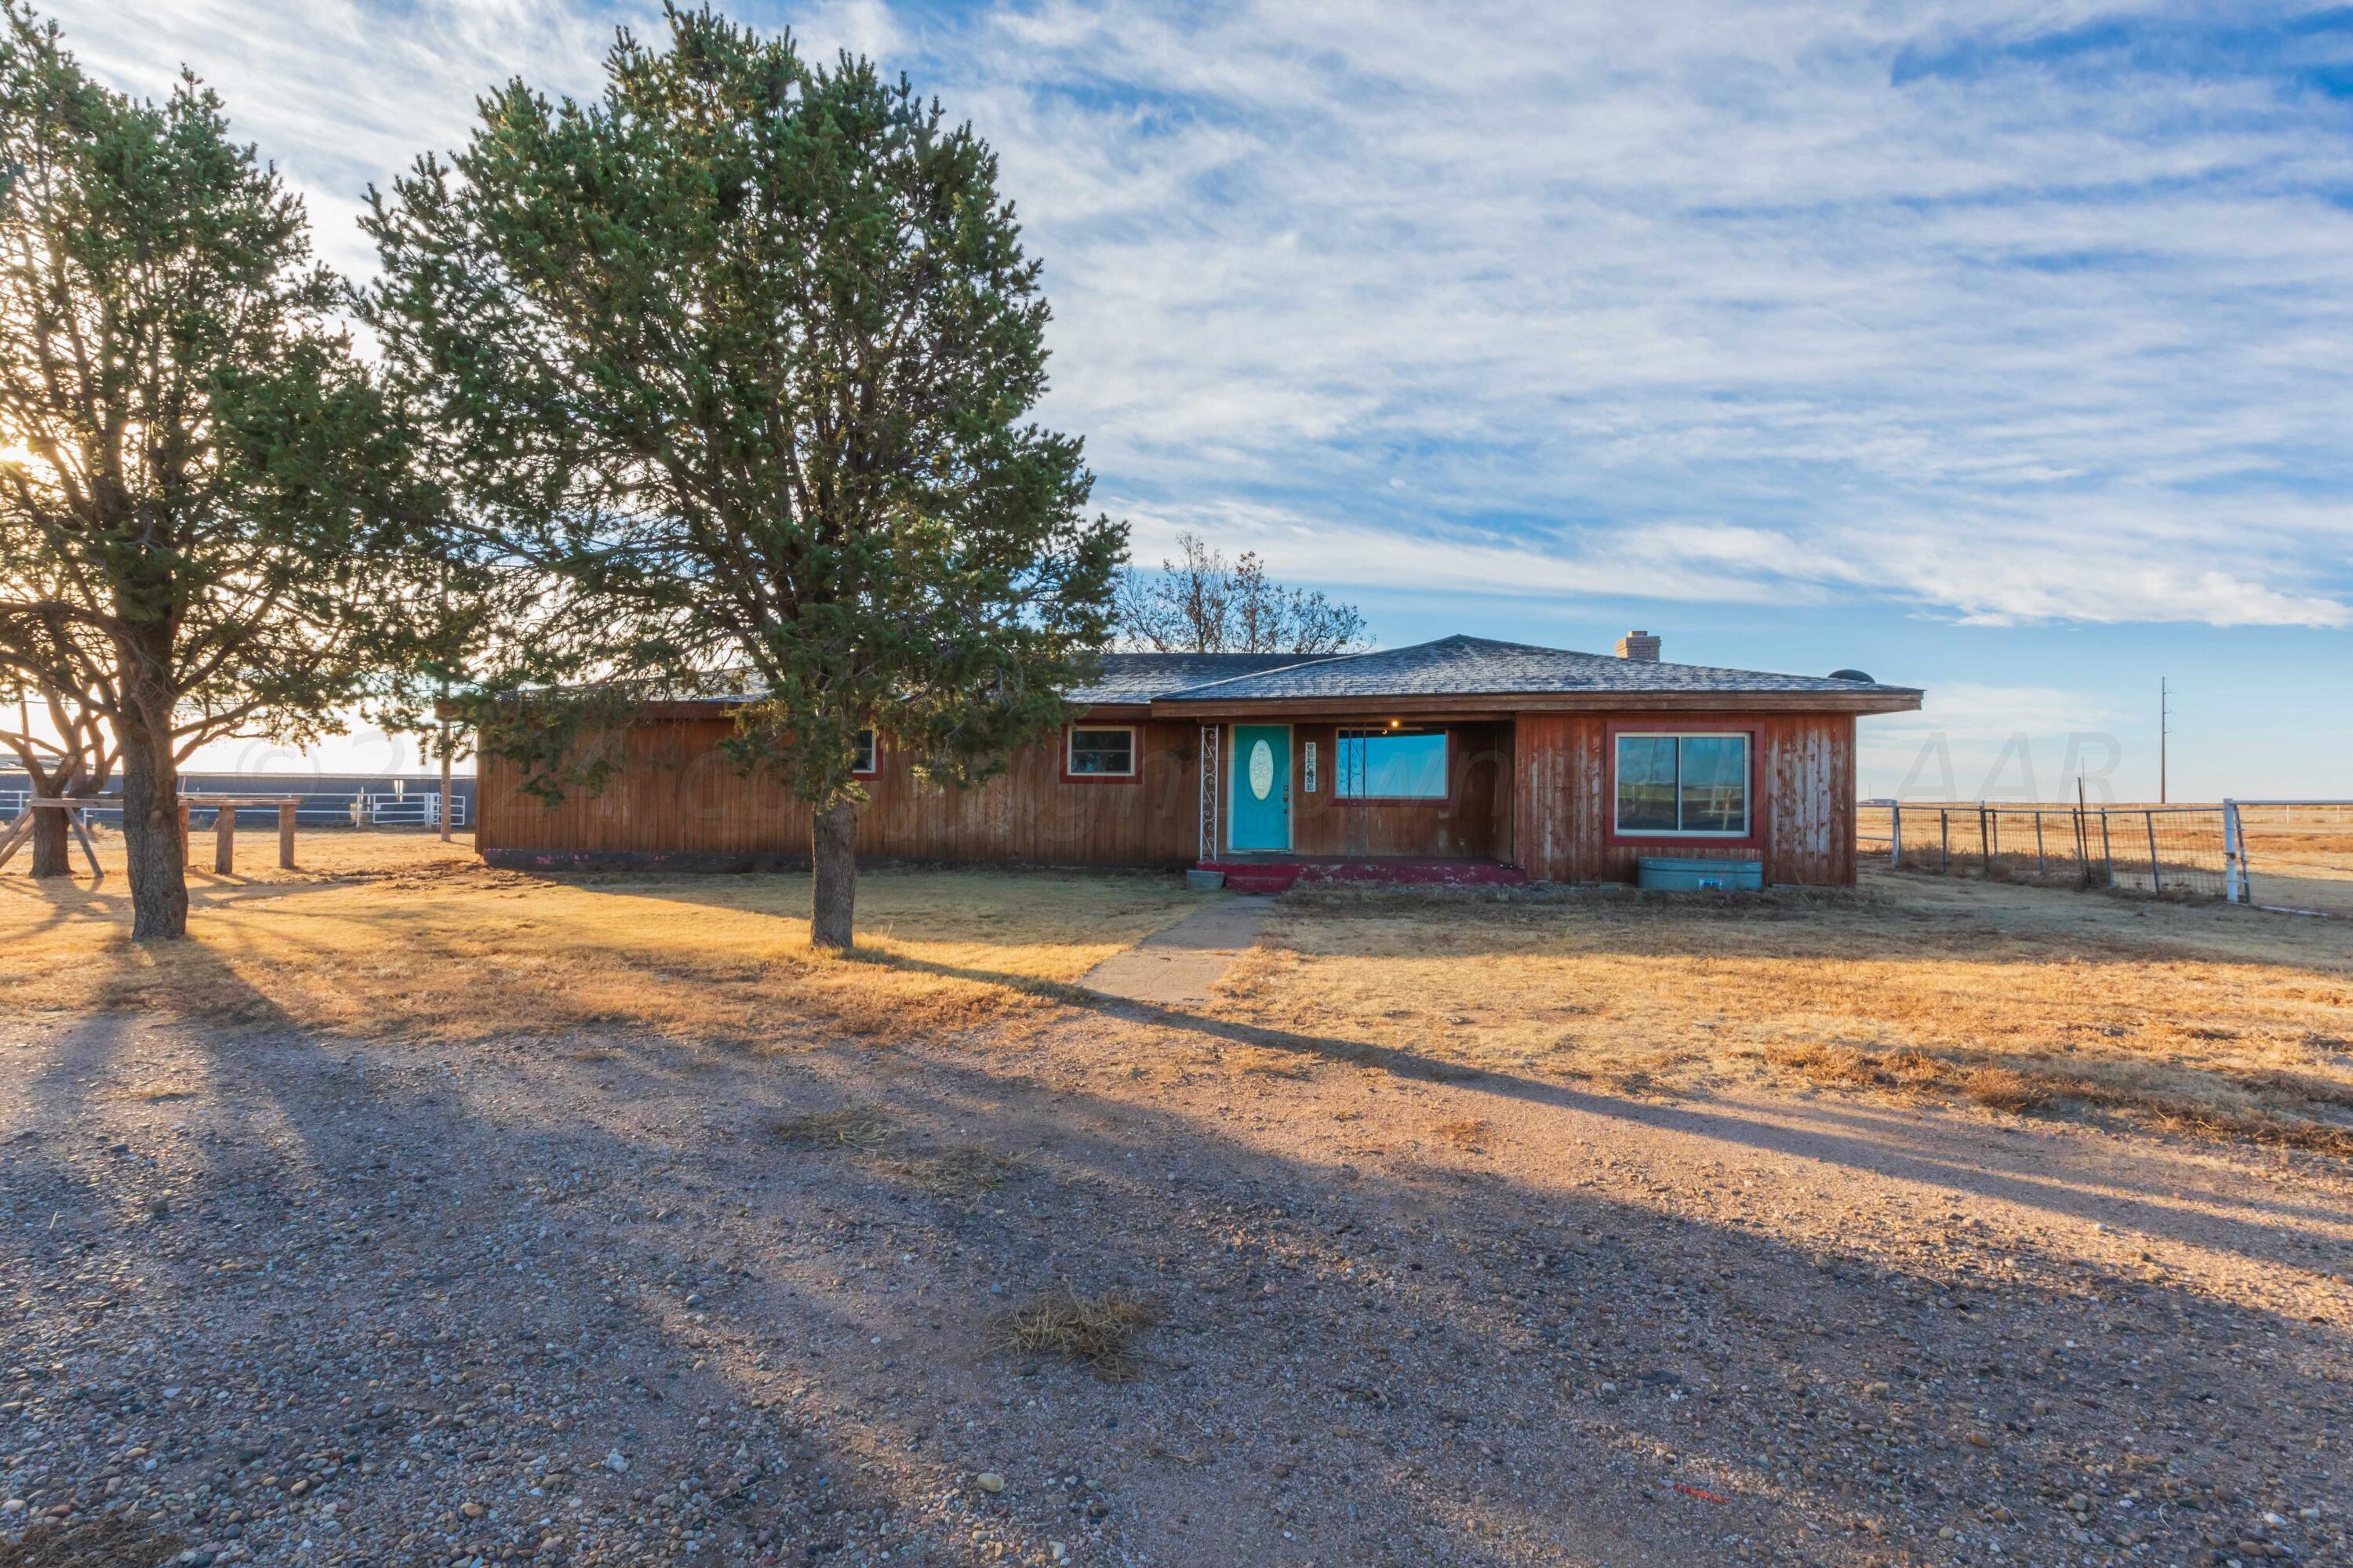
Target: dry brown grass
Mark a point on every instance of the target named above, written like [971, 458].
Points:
[853, 1128]
[957, 1167]
[2029, 1000]
[2301, 868]
[385, 934]
[154, 1093]
[1470, 1133]
[2292, 1110]
[951, 1170]
[1099, 1331]
[2271, 838]
[2203, 1019]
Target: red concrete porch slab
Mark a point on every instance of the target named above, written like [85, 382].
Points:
[1280, 875]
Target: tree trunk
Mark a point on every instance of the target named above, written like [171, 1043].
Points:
[52, 844]
[150, 837]
[833, 890]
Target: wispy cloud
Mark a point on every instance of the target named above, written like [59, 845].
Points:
[1991, 312]
[1977, 741]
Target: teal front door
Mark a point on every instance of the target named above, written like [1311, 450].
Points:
[1262, 789]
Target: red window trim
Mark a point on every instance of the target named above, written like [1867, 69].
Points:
[875, 771]
[1134, 755]
[1697, 724]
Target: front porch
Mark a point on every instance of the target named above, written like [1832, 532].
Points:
[1357, 799]
[1280, 873]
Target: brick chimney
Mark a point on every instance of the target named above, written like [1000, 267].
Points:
[1638, 645]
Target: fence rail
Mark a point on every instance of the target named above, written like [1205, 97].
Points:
[366, 808]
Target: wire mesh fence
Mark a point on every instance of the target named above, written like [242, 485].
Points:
[2292, 855]
[2171, 851]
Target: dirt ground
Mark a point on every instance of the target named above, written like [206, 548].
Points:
[415, 1212]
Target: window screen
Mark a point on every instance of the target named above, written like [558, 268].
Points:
[863, 750]
[1110, 752]
[1392, 766]
[1683, 784]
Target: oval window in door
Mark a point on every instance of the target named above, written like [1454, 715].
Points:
[1262, 770]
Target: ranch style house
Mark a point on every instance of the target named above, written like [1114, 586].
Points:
[1463, 759]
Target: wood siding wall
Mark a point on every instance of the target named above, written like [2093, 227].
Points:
[1533, 793]
[674, 795]
[1804, 773]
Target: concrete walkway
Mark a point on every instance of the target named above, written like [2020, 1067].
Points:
[1180, 964]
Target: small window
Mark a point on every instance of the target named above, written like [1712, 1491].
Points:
[1101, 753]
[1684, 784]
[864, 754]
[1388, 766]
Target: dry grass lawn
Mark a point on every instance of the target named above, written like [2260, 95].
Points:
[2018, 999]
[400, 934]
[2200, 1017]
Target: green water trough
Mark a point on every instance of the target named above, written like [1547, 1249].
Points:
[1692, 874]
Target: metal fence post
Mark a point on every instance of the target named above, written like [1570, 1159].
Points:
[2041, 866]
[1985, 842]
[2156, 878]
[2234, 856]
[2107, 851]
[1896, 833]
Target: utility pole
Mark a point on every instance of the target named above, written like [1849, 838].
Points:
[2164, 729]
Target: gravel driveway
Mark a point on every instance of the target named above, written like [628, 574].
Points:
[271, 1299]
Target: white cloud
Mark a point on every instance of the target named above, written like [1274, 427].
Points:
[1976, 741]
[1714, 303]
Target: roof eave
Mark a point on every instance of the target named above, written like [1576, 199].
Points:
[1885, 700]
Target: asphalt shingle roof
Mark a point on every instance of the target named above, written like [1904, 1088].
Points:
[1142, 677]
[1449, 667]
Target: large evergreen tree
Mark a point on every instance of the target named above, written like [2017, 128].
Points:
[744, 352]
[197, 531]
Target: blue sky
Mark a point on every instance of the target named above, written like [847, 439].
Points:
[2005, 350]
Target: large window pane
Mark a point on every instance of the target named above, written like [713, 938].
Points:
[1110, 752]
[1646, 783]
[1714, 775]
[1393, 767]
